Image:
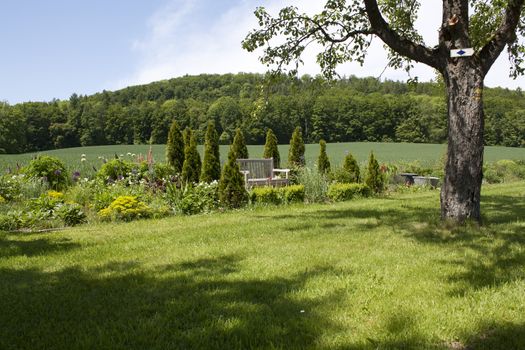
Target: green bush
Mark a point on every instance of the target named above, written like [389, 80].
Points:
[125, 208]
[115, 169]
[277, 195]
[49, 169]
[265, 195]
[342, 192]
[293, 194]
[71, 214]
[504, 171]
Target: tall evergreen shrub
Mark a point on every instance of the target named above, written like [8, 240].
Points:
[323, 163]
[296, 152]
[271, 150]
[211, 167]
[351, 167]
[175, 148]
[239, 145]
[192, 161]
[374, 178]
[232, 192]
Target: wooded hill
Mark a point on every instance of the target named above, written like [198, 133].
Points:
[349, 109]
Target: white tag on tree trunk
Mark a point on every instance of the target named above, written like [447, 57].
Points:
[461, 52]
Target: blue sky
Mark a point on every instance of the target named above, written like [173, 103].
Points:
[53, 48]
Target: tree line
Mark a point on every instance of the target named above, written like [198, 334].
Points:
[344, 110]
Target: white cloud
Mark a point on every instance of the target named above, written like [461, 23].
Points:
[179, 42]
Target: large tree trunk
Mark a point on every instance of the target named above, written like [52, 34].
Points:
[460, 194]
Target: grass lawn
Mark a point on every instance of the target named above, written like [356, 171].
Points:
[427, 154]
[368, 274]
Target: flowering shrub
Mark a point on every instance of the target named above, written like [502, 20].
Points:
[126, 208]
[10, 187]
[49, 169]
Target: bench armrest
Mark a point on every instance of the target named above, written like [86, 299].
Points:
[285, 171]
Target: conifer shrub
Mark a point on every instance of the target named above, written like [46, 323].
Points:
[225, 138]
[192, 161]
[338, 192]
[348, 173]
[271, 150]
[239, 145]
[374, 177]
[296, 151]
[49, 169]
[175, 148]
[232, 193]
[323, 163]
[211, 167]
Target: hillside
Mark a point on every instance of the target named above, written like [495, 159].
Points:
[347, 110]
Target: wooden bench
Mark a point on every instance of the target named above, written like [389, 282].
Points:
[260, 172]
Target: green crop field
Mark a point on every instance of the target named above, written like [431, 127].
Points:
[427, 154]
[378, 273]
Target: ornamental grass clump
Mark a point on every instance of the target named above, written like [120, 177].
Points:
[125, 208]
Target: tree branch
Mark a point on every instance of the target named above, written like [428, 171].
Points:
[397, 43]
[506, 34]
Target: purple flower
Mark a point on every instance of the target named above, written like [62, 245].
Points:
[58, 172]
[76, 175]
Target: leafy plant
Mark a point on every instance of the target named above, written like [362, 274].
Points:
[71, 214]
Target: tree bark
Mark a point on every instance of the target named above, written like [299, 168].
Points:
[460, 194]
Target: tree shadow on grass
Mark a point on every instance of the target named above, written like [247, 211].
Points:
[11, 245]
[493, 253]
[198, 304]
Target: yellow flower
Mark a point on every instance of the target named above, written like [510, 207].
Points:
[55, 194]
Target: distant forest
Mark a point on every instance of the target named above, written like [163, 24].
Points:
[345, 110]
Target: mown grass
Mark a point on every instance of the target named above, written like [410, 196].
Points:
[427, 154]
[368, 274]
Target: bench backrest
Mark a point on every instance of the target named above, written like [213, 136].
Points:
[258, 168]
